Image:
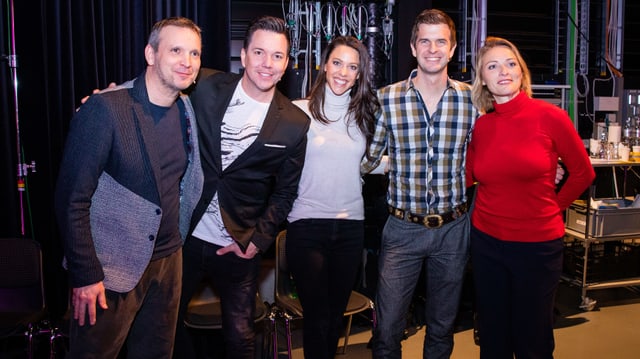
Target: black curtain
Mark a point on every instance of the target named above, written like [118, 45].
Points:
[65, 49]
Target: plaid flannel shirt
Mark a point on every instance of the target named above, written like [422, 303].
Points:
[426, 151]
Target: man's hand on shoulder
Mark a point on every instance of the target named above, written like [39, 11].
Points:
[95, 91]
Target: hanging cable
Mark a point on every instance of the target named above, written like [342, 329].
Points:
[360, 19]
[387, 29]
[328, 12]
[317, 33]
[612, 44]
[314, 21]
[292, 19]
[474, 40]
[343, 23]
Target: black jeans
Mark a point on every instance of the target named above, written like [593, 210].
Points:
[324, 256]
[515, 286]
[235, 280]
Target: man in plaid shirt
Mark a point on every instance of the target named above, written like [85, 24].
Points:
[425, 125]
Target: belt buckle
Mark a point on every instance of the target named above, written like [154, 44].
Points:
[426, 221]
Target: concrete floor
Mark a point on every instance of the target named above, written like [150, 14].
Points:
[610, 330]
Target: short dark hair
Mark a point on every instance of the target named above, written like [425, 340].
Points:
[267, 23]
[154, 37]
[433, 17]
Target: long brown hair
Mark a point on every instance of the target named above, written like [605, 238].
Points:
[363, 105]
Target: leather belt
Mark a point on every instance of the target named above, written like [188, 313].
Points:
[429, 220]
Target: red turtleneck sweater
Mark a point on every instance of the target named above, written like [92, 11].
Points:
[513, 156]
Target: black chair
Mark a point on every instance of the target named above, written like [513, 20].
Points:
[22, 300]
[287, 301]
[204, 311]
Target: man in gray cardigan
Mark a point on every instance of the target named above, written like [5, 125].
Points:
[129, 180]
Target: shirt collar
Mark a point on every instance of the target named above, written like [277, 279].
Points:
[408, 84]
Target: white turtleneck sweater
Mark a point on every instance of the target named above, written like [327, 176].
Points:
[331, 186]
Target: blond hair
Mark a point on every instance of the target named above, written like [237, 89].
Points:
[481, 96]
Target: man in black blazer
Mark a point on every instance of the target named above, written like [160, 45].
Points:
[252, 145]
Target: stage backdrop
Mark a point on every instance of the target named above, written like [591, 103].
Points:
[65, 49]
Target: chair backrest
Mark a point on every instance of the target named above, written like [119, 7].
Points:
[281, 253]
[21, 284]
[204, 310]
[284, 287]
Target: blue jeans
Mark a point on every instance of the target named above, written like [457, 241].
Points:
[324, 256]
[405, 247]
[236, 281]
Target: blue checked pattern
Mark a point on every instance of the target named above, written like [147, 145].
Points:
[426, 152]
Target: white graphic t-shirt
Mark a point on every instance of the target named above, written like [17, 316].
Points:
[242, 123]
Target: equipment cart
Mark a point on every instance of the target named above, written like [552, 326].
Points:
[602, 246]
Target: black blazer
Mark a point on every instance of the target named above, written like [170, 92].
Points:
[257, 190]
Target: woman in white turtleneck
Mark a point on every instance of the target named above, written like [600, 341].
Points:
[325, 234]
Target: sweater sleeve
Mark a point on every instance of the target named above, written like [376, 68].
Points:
[580, 173]
[85, 155]
[379, 142]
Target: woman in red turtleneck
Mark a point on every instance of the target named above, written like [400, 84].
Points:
[517, 224]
